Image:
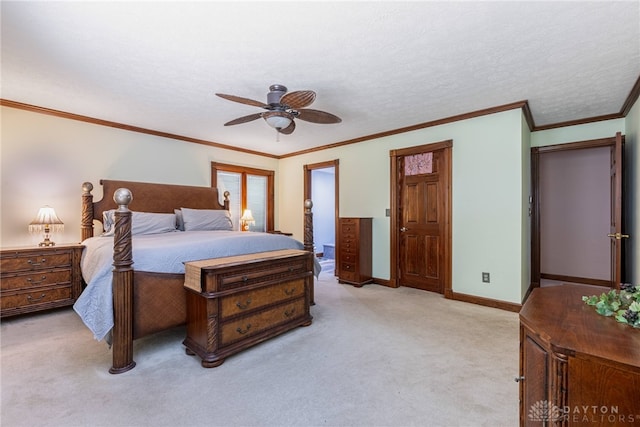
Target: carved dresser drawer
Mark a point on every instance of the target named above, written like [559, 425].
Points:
[248, 326]
[236, 302]
[34, 279]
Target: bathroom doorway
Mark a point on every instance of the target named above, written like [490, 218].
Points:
[321, 186]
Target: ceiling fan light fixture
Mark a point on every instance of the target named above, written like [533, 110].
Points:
[278, 120]
[282, 108]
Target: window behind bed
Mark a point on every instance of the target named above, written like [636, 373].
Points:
[249, 188]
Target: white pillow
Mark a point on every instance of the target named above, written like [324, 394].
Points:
[206, 219]
[142, 223]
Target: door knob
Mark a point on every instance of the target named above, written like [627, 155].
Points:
[403, 229]
[618, 236]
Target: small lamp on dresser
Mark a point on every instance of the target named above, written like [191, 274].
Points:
[46, 221]
[246, 220]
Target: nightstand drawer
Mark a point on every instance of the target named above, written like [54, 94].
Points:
[34, 261]
[244, 302]
[35, 297]
[242, 328]
[27, 281]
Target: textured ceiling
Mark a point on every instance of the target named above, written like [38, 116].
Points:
[379, 66]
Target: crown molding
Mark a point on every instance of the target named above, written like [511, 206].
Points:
[100, 122]
[524, 105]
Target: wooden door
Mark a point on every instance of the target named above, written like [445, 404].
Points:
[423, 217]
[534, 375]
[615, 231]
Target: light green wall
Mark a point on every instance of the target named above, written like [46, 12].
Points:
[46, 159]
[487, 197]
[526, 208]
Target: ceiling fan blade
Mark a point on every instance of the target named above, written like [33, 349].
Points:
[244, 119]
[298, 99]
[289, 129]
[317, 116]
[242, 100]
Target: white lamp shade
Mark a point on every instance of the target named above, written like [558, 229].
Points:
[46, 221]
[247, 216]
[46, 216]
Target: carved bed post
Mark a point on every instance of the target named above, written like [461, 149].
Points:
[308, 226]
[226, 200]
[122, 333]
[308, 240]
[86, 222]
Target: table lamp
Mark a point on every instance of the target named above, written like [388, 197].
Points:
[246, 220]
[45, 221]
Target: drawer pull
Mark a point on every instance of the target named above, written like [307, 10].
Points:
[347, 267]
[290, 291]
[34, 282]
[241, 331]
[33, 300]
[290, 269]
[245, 305]
[245, 278]
[289, 313]
[35, 264]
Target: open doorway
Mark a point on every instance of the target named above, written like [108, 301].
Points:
[321, 186]
[577, 221]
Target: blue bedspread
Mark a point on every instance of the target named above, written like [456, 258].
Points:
[162, 253]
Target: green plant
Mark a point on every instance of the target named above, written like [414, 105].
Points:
[624, 305]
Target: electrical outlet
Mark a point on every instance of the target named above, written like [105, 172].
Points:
[485, 278]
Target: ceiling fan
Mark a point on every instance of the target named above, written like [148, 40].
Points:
[282, 107]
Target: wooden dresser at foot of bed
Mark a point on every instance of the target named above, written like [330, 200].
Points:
[237, 302]
[577, 368]
[39, 278]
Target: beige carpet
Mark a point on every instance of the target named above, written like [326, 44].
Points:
[374, 356]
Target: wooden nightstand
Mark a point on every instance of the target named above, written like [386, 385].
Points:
[39, 278]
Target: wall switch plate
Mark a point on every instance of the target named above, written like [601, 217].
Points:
[485, 278]
[387, 212]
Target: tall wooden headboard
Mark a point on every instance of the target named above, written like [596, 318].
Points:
[147, 197]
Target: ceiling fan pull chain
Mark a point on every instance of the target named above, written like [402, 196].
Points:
[277, 135]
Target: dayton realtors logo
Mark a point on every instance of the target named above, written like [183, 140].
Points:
[544, 410]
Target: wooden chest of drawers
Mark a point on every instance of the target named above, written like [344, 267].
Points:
[34, 279]
[584, 367]
[354, 251]
[236, 302]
